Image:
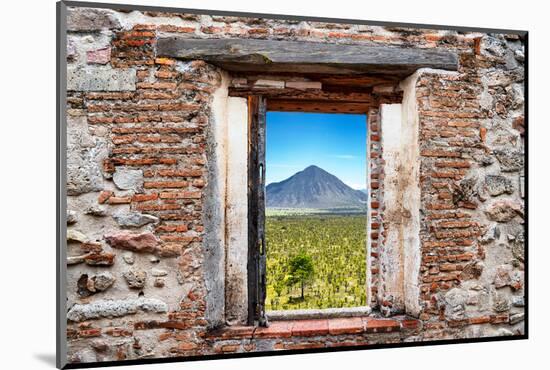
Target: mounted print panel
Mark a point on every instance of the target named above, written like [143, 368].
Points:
[240, 184]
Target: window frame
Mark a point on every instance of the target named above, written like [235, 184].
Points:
[258, 105]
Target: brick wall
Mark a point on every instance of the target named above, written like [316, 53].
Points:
[375, 227]
[137, 164]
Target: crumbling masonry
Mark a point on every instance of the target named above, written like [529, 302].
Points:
[147, 178]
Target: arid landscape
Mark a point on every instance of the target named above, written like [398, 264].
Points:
[314, 214]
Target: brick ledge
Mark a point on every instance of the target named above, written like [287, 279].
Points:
[318, 327]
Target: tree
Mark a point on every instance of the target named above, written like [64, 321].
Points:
[301, 271]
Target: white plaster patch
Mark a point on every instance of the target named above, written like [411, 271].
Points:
[100, 79]
[237, 210]
[391, 261]
[214, 208]
[410, 151]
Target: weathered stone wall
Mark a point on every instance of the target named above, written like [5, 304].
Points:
[472, 232]
[140, 166]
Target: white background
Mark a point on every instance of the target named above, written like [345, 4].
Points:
[27, 182]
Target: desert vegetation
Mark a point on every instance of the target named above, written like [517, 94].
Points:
[334, 245]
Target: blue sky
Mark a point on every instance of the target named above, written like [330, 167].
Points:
[334, 142]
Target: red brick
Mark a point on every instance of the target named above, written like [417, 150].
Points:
[178, 107]
[187, 346]
[104, 196]
[172, 228]
[482, 134]
[353, 325]
[181, 195]
[176, 29]
[382, 326]
[179, 173]
[276, 329]
[457, 224]
[499, 319]
[310, 327]
[157, 85]
[307, 345]
[119, 200]
[144, 197]
[479, 320]
[157, 207]
[232, 332]
[410, 324]
[439, 153]
[119, 332]
[454, 164]
[165, 61]
[89, 333]
[165, 184]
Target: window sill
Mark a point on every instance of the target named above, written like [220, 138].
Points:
[318, 327]
[327, 313]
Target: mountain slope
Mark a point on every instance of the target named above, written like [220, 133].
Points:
[313, 188]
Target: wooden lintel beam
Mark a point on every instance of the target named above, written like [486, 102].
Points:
[305, 57]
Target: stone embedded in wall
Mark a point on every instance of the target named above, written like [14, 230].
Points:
[169, 250]
[72, 217]
[99, 78]
[518, 301]
[99, 56]
[89, 285]
[510, 160]
[128, 257]
[465, 191]
[134, 219]
[517, 97]
[503, 332]
[128, 179]
[472, 270]
[76, 236]
[500, 302]
[518, 246]
[115, 308]
[159, 282]
[92, 255]
[492, 234]
[188, 263]
[95, 210]
[503, 276]
[71, 50]
[75, 260]
[100, 259]
[89, 19]
[504, 210]
[145, 242]
[140, 242]
[158, 272]
[497, 185]
[135, 278]
[84, 156]
[84, 355]
[104, 196]
[103, 281]
[455, 302]
[517, 317]
[519, 125]
[483, 159]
